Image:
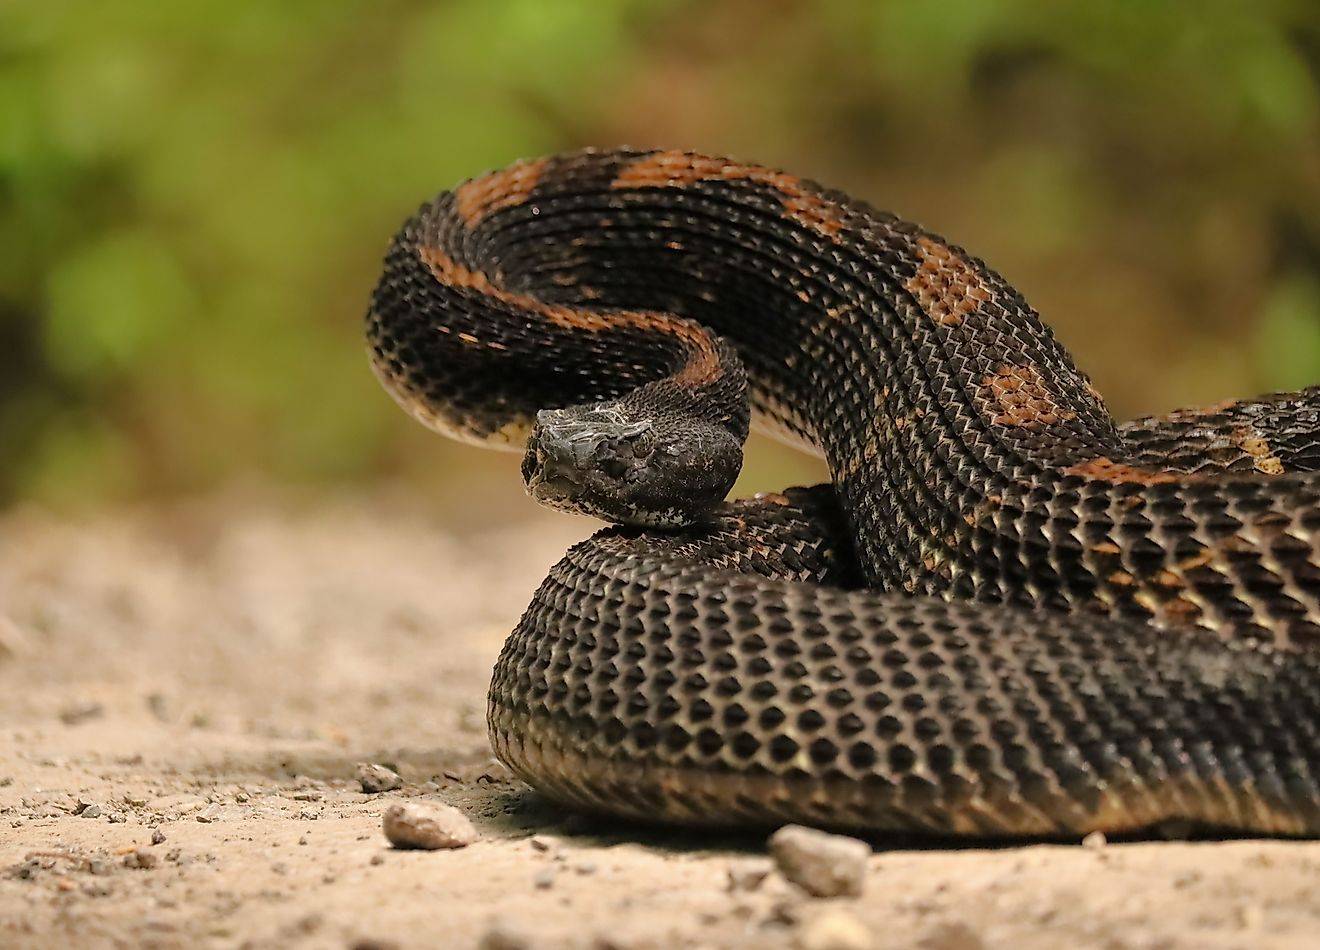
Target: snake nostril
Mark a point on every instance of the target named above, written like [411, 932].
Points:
[556, 462]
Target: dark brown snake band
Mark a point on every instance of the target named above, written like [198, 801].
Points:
[1006, 616]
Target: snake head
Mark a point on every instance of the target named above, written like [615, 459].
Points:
[618, 464]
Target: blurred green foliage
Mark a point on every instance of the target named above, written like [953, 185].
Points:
[194, 196]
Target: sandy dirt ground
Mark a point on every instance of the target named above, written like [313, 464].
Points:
[185, 695]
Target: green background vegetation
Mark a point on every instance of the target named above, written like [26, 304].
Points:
[194, 196]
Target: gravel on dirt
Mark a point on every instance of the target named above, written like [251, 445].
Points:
[236, 658]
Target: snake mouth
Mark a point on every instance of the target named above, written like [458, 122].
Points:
[552, 485]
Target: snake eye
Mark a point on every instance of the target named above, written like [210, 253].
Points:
[642, 445]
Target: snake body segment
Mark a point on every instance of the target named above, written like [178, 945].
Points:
[1008, 615]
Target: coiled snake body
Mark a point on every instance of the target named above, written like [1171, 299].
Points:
[1006, 616]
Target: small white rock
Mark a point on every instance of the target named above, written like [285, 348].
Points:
[377, 778]
[835, 930]
[823, 865]
[1095, 841]
[428, 826]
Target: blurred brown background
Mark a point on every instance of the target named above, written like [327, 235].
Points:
[194, 198]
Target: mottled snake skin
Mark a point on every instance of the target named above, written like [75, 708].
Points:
[1007, 616]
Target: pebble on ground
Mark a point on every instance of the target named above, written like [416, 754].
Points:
[427, 826]
[377, 778]
[823, 865]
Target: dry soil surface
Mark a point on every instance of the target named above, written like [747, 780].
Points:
[185, 695]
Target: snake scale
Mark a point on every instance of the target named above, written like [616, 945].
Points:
[1006, 616]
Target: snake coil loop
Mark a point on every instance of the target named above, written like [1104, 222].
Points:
[1007, 615]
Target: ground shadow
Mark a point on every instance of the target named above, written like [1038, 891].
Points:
[518, 810]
